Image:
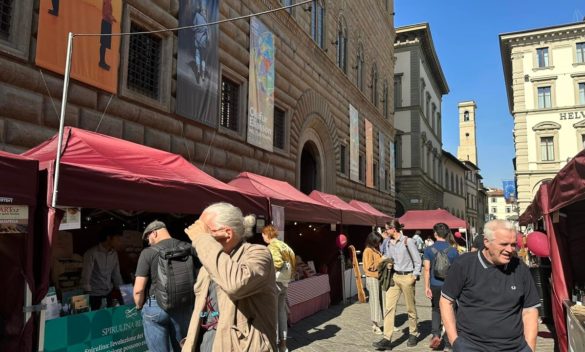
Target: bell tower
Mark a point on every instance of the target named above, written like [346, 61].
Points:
[467, 150]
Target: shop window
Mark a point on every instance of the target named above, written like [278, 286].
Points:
[230, 96]
[279, 133]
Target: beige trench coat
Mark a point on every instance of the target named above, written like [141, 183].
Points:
[246, 295]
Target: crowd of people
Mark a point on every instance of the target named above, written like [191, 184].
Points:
[484, 300]
[221, 293]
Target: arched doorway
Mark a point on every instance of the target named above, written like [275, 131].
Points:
[310, 175]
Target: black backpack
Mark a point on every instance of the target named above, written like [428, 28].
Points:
[175, 276]
[441, 263]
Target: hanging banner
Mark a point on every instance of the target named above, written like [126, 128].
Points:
[278, 220]
[261, 94]
[198, 61]
[113, 329]
[369, 154]
[509, 191]
[354, 144]
[13, 218]
[95, 60]
[392, 171]
[382, 161]
[71, 219]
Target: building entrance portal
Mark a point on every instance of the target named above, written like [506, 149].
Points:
[309, 169]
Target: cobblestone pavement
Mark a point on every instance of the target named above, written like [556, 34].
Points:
[348, 328]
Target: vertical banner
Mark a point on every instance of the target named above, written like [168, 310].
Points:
[369, 154]
[95, 60]
[382, 161]
[354, 144]
[509, 191]
[392, 171]
[261, 94]
[198, 62]
[278, 220]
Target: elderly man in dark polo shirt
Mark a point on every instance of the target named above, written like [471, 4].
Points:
[496, 297]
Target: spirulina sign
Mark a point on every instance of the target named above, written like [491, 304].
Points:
[117, 329]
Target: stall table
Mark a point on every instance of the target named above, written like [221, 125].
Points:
[308, 296]
[575, 329]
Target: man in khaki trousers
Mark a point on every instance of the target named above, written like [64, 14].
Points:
[407, 270]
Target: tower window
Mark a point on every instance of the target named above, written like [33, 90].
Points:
[466, 116]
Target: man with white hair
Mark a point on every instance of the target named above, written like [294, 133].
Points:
[236, 290]
[496, 297]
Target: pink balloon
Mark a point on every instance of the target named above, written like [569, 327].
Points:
[457, 234]
[341, 241]
[537, 243]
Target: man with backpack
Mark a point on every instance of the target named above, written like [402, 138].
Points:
[163, 289]
[436, 261]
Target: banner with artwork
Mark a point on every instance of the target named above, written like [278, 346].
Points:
[509, 191]
[354, 144]
[392, 170]
[369, 154]
[278, 220]
[95, 59]
[261, 94]
[382, 161]
[198, 61]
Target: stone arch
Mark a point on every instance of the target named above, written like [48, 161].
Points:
[313, 122]
[546, 125]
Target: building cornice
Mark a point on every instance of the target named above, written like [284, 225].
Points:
[420, 34]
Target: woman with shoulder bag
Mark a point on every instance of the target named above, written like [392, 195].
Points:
[370, 259]
[285, 264]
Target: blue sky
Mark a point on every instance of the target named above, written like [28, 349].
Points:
[474, 71]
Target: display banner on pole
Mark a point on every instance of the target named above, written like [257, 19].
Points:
[369, 154]
[354, 144]
[95, 59]
[198, 62]
[278, 220]
[261, 94]
[113, 329]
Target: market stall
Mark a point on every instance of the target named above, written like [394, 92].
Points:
[117, 177]
[18, 200]
[381, 218]
[560, 204]
[309, 228]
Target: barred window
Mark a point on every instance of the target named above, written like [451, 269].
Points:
[376, 173]
[230, 95]
[144, 61]
[362, 173]
[279, 128]
[342, 162]
[5, 17]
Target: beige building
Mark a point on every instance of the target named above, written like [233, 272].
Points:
[419, 86]
[499, 208]
[454, 185]
[329, 54]
[544, 71]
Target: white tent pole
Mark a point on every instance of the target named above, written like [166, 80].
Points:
[66, 79]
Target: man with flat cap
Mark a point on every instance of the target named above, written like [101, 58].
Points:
[163, 289]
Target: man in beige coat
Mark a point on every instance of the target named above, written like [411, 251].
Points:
[235, 305]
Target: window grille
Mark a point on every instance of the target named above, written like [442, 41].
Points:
[279, 128]
[342, 161]
[5, 18]
[230, 95]
[144, 60]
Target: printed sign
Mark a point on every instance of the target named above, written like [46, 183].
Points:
[278, 220]
[261, 94]
[71, 219]
[369, 154]
[13, 218]
[114, 329]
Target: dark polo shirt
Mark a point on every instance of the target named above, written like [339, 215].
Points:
[490, 301]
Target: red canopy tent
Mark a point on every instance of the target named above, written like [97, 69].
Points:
[298, 206]
[349, 214]
[426, 219]
[99, 171]
[564, 194]
[19, 187]
[381, 218]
